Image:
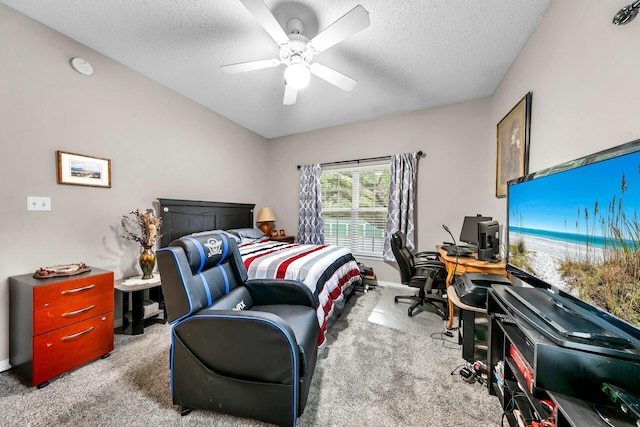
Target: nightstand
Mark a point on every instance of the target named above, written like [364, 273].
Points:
[286, 239]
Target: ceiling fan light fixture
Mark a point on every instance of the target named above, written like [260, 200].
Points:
[296, 51]
[297, 76]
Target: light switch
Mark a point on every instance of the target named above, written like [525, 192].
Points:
[35, 203]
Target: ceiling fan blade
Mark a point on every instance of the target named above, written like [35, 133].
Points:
[332, 76]
[243, 67]
[357, 19]
[290, 95]
[264, 16]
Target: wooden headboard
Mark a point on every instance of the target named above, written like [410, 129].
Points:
[182, 217]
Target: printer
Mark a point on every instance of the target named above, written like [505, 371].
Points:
[472, 288]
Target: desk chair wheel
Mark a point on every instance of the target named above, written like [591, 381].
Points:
[410, 310]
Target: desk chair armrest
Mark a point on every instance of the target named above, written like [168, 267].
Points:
[427, 254]
[429, 273]
[428, 264]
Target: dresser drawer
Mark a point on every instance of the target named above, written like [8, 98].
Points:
[61, 315]
[72, 289]
[67, 348]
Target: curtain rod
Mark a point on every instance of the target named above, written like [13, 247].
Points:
[367, 159]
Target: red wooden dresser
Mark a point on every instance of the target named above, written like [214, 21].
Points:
[58, 324]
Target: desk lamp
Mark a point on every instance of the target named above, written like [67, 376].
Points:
[265, 218]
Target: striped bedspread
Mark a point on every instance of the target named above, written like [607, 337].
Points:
[326, 270]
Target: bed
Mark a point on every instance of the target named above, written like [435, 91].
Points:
[331, 272]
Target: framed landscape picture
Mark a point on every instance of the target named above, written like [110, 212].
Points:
[78, 169]
[512, 137]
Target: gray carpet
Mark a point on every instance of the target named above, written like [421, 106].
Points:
[369, 374]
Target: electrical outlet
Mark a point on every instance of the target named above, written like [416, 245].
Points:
[38, 203]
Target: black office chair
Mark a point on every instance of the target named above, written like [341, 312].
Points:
[426, 273]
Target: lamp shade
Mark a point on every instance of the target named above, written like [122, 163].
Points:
[266, 215]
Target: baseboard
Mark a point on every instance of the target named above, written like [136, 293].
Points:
[4, 365]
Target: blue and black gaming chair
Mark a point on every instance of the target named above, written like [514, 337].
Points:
[242, 347]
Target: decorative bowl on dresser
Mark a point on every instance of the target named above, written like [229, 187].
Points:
[60, 323]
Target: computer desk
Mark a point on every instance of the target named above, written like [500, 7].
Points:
[470, 265]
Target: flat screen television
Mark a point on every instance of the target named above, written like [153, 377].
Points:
[573, 230]
[469, 231]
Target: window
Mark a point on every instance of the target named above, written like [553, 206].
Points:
[354, 207]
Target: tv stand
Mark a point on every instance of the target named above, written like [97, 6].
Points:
[527, 368]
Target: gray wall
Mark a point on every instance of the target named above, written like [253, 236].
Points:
[160, 145]
[455, 178]
[583, 72]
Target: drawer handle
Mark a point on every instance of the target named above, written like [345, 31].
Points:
[70, 337]
[82, 310]
[73, 291]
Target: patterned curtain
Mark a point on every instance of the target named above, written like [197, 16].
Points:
[310, 228]
[401, 200]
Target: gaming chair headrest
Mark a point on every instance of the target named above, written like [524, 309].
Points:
[206, 251]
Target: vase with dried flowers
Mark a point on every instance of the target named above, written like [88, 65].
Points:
[143, 226]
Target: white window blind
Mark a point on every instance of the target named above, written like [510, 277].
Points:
[354, 207]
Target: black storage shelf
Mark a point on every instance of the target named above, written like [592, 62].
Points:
[515, 336]
[511, 419]
[554, 370]
[498, 392]
[519, 385]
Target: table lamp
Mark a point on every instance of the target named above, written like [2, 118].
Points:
[265, 218]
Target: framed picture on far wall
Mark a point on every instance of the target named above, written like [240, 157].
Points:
[78, 169]
[512, 137]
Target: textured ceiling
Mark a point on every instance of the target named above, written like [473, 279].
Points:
[416, 54]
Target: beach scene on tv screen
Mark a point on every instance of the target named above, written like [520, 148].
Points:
[579, 231]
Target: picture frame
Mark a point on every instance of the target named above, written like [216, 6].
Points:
[282, 233]
[274, 233]
[79, 169]
[512, 139]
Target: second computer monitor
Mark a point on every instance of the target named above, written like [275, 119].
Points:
[469, 232]
[488, 240]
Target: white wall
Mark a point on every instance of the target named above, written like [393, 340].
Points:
[160, 145]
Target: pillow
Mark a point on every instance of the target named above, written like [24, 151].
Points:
[226, 233]
[249, 233]
[244, 240]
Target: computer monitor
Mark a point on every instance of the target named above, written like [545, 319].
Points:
[488, 240]
[469, 232]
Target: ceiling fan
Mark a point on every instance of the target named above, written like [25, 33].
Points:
[296, 51]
